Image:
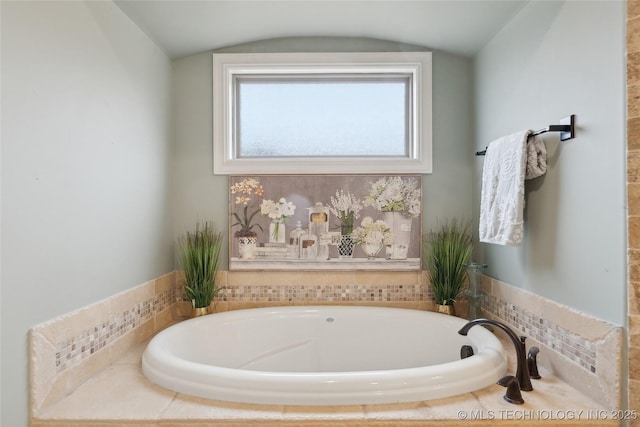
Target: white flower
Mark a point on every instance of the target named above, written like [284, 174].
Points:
[346, 207]
[277, 211]
[394, 194]
[372, 233]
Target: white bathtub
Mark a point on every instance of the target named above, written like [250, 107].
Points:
[325, 355]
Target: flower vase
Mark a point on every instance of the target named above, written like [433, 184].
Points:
[371, 250]
[400, 225]
[247, 246]
[277, 232]
[345, 248]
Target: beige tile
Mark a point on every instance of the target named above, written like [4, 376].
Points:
[71, 325]
[633, 128]
[634, 394]
[634, 363]
[633, 34]
[633, 99]
[324, 412]
[516, 296]
[134, 355]
[120, 392]
[42, 369]
[634, 330]
[438, 409]
[140, 333]
[179, 278]
[634, 265]
[609, 367]
[633, 71]
[165, 283]
[633, 166]
[634, 295]
[633, 9]
[126, 300]
[634, 232]
[633, 196]
[70, 379]
[575, 321]
[185, 407]
[164, 318]
[292, 278]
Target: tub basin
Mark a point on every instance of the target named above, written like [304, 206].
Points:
[323, 355]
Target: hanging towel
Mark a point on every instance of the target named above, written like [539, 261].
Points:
[502, 196]
[536, 158]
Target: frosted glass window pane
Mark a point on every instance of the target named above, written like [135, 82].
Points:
[308, 117]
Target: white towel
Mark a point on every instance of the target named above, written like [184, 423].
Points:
[502, 197]
[536, 158]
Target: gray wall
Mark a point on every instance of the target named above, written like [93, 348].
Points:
[85, 176]
[552, 60]
[200, 195]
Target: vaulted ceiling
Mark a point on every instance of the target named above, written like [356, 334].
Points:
[183, 27]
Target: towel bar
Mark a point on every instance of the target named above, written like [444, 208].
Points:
[566, 128]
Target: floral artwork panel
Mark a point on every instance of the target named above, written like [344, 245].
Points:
[268, 209]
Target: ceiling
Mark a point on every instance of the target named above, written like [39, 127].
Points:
[184, 27]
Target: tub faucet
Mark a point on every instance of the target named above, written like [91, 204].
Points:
[522, 371]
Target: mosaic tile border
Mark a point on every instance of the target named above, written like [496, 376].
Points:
[73, 351]
[573, 346]
[325, 293]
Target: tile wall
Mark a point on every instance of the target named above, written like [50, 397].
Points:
[633, 199]
[67, 350]
[582, 350]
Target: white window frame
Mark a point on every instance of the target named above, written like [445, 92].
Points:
[228, 66]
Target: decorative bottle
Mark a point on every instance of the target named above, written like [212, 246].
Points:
[294, 240]
[308, 245]
[319, 226]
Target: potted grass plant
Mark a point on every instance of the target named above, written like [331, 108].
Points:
[448, 250]
[200, 257]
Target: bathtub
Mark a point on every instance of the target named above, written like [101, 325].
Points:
[324, 355]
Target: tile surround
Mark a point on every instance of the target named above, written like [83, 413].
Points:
[572, 346]
[584, 351]
[68, 350]
[75, 349]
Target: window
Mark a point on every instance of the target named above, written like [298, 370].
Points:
[322, 113]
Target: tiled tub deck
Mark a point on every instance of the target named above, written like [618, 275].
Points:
[121, 396]
[85, 366]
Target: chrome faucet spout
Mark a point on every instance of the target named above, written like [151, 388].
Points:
[522, 371]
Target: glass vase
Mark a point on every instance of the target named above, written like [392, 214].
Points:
[371, 250]
[277, 232]
[474, 290]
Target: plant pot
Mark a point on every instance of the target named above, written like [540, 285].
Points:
[247, 246]
[446, 309]
[199, 311]
[345, 248]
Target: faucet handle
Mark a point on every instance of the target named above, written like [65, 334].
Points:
[532, 363]
[466, 351]
[512, 394]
